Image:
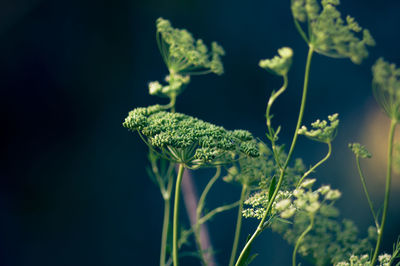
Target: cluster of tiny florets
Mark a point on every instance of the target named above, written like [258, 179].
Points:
[386, 87]
[189, 140]
[360, 150]
[329, 34]
[321, 131]
[183, 54]
[280, 64]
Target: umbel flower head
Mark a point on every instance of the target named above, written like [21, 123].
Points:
[321, 131]
[386, 87]
[185, 55]
[184, 139]
[279, 65]
[328, 33]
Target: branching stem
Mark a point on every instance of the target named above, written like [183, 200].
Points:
[317, 164]
[261, 225]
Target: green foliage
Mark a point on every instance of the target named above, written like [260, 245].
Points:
[386, 87]
[188, 140]
[328, 33]
[321, 131]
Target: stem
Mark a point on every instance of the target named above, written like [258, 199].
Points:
[298, 242]
[260, 226]
[167, 210]
[317, 164]
[164, 235]
[387, 190]
[199, 210]
[371, 206]
[176, 214]
[238, 226]
[271, 100]
[217, 210]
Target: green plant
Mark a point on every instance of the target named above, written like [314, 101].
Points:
[275, 190]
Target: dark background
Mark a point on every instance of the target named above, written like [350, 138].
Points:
[73, 187]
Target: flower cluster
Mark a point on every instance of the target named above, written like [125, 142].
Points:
[386, 87]
[360, 150]
[188, 140]
[321, 131]
[280, 64]
[329, 34]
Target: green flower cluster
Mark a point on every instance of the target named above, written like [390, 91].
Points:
[386, 87]
[184, 56]
[328, 33]
[329, 241]
[364, 260]
[188, 140]
[321, 131]
[250, 171]
[360, 150]
[280, 64]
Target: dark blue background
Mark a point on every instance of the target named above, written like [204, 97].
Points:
[73, 187]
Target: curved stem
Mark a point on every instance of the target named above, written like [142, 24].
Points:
[217, 210]
[176, 214]
[387, 190]
[260, 226]
[317, 164]
[272, 134]
[238, 226]
[199, 210]
[371, 206]
[301, 237]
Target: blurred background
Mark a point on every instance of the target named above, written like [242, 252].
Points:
[73, 186]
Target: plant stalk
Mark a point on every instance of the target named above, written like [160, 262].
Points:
[387, 190]
[176, 215]
[238, 226]
[301, 237]
[261, 225]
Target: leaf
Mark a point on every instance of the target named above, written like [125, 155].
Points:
[272, 187]
[246, 259]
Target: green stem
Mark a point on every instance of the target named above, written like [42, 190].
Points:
[271, 100]
[167, 211]
[176, 214]
[199, 210]
[371, 206]
[300, 239]
[165, 232]
[317, 164]
[261, 225]
[238, 226]
[223, 208]
[387, 190]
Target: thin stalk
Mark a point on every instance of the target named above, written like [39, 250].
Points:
[387, 190]
[261, 225]
[371, 206]
[271, 100]
[176, 214]
[238, 226]
[217, 210]
[317, 164]
[167, 211]
[301, 237]
[199, 210]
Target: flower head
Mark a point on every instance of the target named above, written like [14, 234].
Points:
[280, 64]
[188, 140]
